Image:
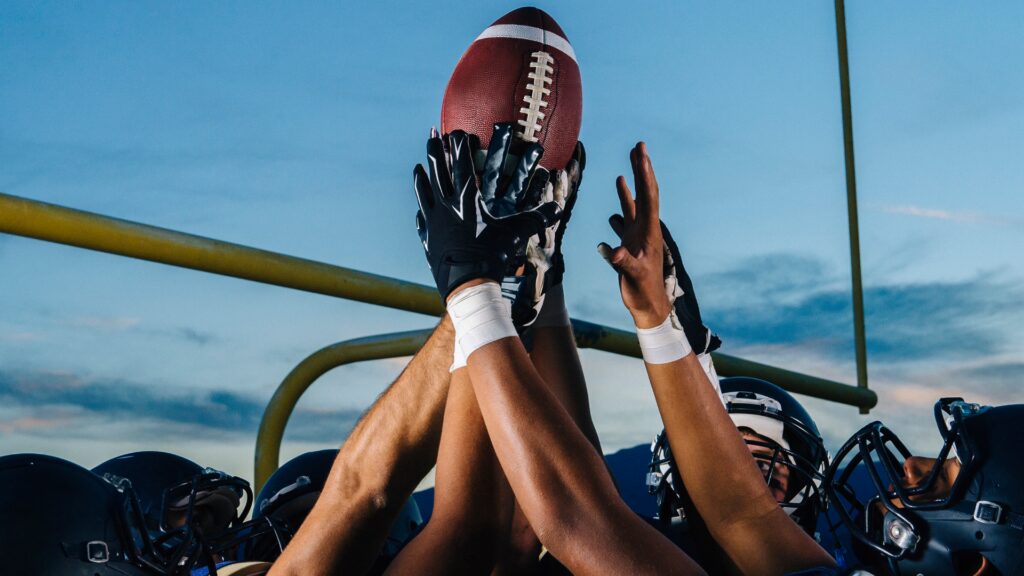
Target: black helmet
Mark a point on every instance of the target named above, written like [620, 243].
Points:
[286, 499]
[921, 528]
[191, 512]
[61, 519]
[292, 490]
[785, 436]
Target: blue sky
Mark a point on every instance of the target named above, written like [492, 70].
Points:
[294, 127]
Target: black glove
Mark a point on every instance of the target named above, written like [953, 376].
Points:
[679, 289]
[700, 337]
[463, 237]
[544, 265]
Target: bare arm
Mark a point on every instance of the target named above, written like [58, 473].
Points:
[390, 450]
[558, 478]
[557, 361]
[721, 477]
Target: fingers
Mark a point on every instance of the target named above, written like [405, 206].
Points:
[646, 187]
[437, 167]
[531, 222]
[606, 251]
[617, 224]
[421, 187]
[619, 258]
[460, 148]
[539, 191]
[494, 164]
[560, 191]
[421, 228]
[550, 213]
[626, 200]
[579, 154]
[525, 169]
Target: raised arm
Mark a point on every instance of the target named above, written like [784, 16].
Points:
[539, 301]
[722, 479]
[556, 475]
[389, 451]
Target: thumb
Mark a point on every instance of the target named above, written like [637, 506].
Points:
[616, 257]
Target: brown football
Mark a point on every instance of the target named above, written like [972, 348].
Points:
[522, 70]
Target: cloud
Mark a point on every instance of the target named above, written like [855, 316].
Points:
[195, 336]
[934, 213]
[63, 403]
[785, 299]
[962, 216]
[127, 323]
[107, 324]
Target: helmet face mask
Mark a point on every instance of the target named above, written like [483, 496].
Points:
[191, 514]
[70, 522]
[948, 517]
[782, 438]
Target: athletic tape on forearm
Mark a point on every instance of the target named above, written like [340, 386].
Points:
[665, 343]
[480, 316]
[553, 312]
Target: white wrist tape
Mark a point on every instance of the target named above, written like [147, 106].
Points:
[553, 312]
[480, 316]
[665, 343]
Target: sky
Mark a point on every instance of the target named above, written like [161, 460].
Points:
[293, 127]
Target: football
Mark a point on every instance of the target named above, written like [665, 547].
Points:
[522, 70]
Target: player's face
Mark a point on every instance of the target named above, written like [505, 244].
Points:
[916, 470]
[776, 474]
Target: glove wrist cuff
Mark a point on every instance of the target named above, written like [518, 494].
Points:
[664, 343]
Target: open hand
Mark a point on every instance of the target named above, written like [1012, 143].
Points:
[639, 259]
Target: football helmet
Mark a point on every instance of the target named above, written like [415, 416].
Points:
[58, 518]
[972, 523]
[783, 439]
[191, 513]
[292, 490]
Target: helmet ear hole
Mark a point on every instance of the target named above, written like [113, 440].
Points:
[972, 562]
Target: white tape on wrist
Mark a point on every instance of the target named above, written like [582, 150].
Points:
[665, 343]
[480, 316]
[553, 312]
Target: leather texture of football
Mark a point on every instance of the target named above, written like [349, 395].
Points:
[522, 70]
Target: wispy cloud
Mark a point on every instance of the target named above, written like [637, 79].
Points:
[792, 300]
[195, 336]
[934, 213]
[61, 403]
[134, 324]
[106, 323]
[959, 216]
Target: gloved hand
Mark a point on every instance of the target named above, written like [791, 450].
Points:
[472, 229]
[544, 264]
